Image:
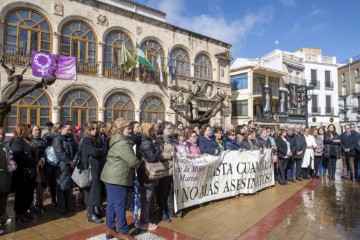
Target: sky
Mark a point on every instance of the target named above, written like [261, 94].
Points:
[256, 27]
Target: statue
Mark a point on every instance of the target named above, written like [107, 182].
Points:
[180, 98]
[195, 87]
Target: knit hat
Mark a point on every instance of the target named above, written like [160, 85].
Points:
[77, 128]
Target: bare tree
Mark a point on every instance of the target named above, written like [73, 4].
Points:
[15, 81]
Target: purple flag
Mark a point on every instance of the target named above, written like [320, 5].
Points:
[43, 63]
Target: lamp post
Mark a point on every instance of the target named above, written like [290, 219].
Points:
[305, 97]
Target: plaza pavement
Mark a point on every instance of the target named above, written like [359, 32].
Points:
[311, 209]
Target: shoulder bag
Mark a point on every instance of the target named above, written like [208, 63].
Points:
[51, 157]
[155, 171]
[82, 177]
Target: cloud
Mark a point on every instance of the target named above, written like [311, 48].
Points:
[231, 31]
[310, 23]
[290, 3]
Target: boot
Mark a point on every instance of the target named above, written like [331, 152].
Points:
[280, 180]
[304, 173]
[92, 217]
[171, 214]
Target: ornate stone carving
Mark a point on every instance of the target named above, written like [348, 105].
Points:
[138, 30]
[55, 108]
[195, 87]
[209, 91]
[103, 20]
[58, 9]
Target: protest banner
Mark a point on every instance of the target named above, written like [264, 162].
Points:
[208, 178]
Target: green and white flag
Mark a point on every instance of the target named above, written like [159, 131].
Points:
[140, 57]
[126, 60]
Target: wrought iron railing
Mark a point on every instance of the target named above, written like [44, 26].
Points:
[116, 71]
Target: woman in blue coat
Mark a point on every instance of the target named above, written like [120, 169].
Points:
[231, 142]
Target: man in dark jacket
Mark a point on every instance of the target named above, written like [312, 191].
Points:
[348, 143]
[65, 149]
[299, 150]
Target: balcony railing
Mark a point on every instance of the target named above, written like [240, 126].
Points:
[315, 110]
[295, 80]
[315, 83]
[292, 58]
[87, 67]
[116, 71]
[329, 111]
[153, 77]
[329, 84]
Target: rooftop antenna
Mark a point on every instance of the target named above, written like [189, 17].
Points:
[277, 44]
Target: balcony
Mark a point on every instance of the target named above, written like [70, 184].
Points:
[315, 110]
[295, 80]
[153, 77]
[315, 83]
[329, 111]
[115, 71]
[320, 59]
[329, 85]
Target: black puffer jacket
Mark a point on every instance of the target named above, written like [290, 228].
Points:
[151, 154]
[65, 149]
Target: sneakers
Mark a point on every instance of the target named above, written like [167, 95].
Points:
[148, 226]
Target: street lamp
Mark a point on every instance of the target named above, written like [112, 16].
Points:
[305, 97]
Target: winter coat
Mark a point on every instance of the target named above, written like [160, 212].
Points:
[91, 148]
[151, 154]
[248, 145]
[348, 141]
[332, 149]
[232, 145]
[41, 146]
[65, 150]
[282, 147]
[121, 162]
[208, 146]
[300, 145]
[25, 157]
[292, 141]
[263, 143]
[5, 176]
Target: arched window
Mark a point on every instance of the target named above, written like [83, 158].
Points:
[152, 109]
[33, 109]
[119, 105]
[203, 68]
[78, 40]
[180, 61]
[79, 107]
[152, 50]
[26, 30]
[112, 53]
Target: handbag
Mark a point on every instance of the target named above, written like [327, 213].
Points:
[274, 158]
[155, 170]
[169, 167]
[82, 177]
[51, 157]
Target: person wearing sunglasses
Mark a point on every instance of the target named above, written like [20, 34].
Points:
[231, 142]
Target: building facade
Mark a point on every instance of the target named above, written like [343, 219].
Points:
[93, 31]
[349, 92]
[287, 76]
[321, 72]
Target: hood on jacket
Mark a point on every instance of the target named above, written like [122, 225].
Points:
[116, 138]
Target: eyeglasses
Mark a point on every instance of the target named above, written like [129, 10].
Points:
[94, 128]
[194, 136]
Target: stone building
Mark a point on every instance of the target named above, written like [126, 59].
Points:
[93, 31]
[349, 92]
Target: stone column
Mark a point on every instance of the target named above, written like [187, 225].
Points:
[101, 114]
[137, 115]
[55, 46]
[55, 114]
[266, 81]
[101, 59]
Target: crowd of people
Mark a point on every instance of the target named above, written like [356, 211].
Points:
[116, 152]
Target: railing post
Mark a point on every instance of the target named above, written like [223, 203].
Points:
[100, 58]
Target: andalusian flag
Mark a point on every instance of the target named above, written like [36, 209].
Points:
[126, 60]
[140, 57]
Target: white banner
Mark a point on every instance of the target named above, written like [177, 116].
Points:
[204, 179]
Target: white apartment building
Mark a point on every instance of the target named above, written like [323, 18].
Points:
[321, 72]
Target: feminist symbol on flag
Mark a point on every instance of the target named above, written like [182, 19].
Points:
[43, 61]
